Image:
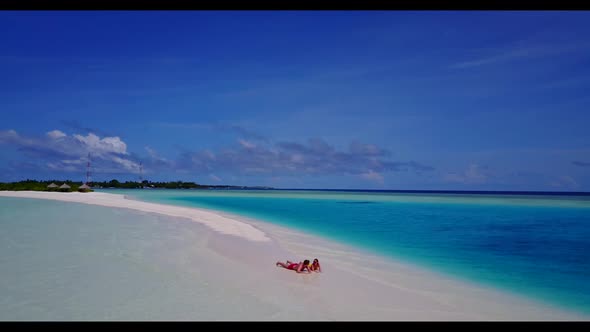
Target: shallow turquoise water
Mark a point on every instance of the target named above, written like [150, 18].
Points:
[534, 245]
[76, 262]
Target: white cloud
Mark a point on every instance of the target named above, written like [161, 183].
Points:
[297, 158]
[365, 149]
[510, 55]
[127, 164]
[55, 134]
[110, 153]
[315, 157]
[474, 174]
[11, 136]
[209, 154]
[522, 52]
[74, 162]
[156, 161]
[152, 152]
[96, 145]
[372, 176]
[565, 181]
[69, 153]
[246, 144]
[61, 167]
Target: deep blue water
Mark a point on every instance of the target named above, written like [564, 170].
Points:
[538, 246]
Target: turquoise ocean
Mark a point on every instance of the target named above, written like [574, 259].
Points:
[56, 258]
[533, 245]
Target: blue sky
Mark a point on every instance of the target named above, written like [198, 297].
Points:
[463, 100]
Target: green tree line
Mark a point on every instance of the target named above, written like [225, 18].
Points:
[36, 185]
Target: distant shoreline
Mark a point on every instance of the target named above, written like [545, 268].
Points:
[41, 185]
[69, 185]
[454, 192]
[470, 192]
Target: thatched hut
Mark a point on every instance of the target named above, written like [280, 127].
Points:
[52, 187]
[65, 187]
[84, 188]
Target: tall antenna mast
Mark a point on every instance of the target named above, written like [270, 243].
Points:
[88, 170]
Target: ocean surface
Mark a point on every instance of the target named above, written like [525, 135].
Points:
[63, 261]
[533, 245]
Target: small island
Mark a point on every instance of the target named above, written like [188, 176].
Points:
[69, 186]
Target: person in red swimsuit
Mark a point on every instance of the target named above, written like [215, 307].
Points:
[297, 267]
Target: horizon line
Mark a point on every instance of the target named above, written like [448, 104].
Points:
[540, 192]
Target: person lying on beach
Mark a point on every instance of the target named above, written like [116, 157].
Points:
[315, 266]
[297, 267]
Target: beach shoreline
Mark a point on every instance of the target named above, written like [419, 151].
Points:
[352, 279]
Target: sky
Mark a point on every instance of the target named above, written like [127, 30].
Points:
[399, 100]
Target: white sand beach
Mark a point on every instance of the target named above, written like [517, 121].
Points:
[354, 285]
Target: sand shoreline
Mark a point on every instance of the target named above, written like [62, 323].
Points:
[355, 286]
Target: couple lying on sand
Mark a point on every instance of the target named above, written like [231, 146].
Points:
[302, 266]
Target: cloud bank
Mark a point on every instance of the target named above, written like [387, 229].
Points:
[315, 157]
[474, 174]
[62, 152]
